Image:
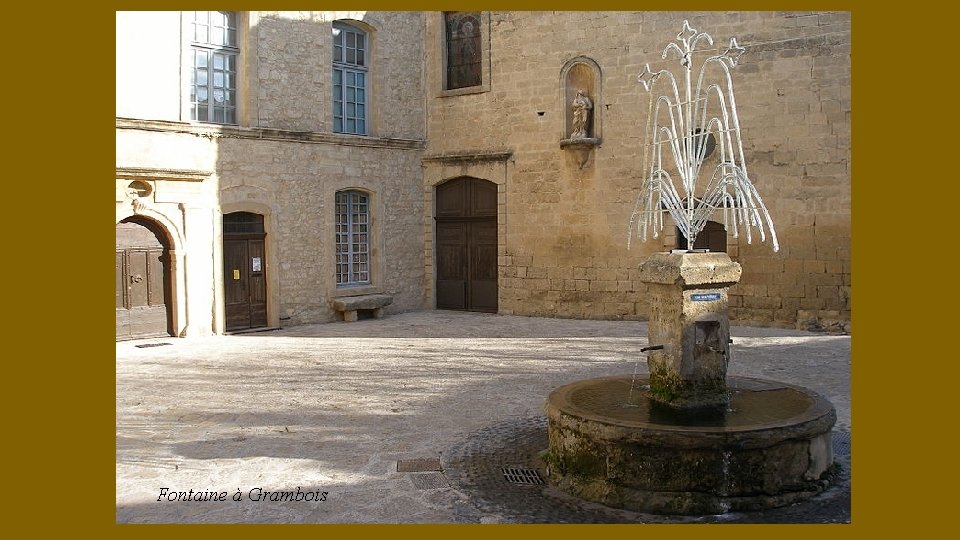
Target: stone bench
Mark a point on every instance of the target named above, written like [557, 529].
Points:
[349, 305]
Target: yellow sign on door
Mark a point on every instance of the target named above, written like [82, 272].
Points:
[236, 274]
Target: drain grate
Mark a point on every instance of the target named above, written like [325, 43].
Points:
[419, 465]
[429, 480]
[517, 475]
[145, 345]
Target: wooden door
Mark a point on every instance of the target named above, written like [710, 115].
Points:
[452, 265]
[244, 271]
[142, 281]
[466, 245]
[482, 264]
[244, 283]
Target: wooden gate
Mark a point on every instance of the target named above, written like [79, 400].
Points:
[142, 281]
[244, 271]
[466, 245]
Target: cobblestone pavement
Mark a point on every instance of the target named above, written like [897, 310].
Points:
[332, 410]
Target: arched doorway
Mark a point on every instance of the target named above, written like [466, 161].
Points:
[244, 271]
[143, 280]
[466, 245]
[713, 237]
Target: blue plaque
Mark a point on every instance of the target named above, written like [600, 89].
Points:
[704, 297]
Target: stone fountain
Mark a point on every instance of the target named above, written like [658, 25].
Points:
[688, 439]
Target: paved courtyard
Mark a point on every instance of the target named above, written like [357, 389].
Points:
[330, 413]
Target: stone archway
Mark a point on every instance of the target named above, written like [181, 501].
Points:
[144, 280]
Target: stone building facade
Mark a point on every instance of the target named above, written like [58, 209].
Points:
[466, 198]
[281, 160]
[563, 227]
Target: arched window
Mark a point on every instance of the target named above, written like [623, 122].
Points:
[351, 63]
[353, 238]
[242, 222]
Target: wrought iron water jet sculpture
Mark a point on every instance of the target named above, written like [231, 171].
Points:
[693, 441]
[684, 127]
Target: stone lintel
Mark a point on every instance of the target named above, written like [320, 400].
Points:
[469, 157]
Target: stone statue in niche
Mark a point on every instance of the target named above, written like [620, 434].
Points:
[581, 115]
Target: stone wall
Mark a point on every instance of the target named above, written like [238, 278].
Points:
[298, 180]
[563, 250]
[296, 183]
[148, 61]
[293, 52]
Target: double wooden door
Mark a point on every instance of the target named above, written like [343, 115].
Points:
[142, 281]
[244, 281]
[466, 245]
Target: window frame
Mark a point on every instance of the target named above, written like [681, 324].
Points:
[353, 230]
[475, 63]
[342, 70]
[227, 51]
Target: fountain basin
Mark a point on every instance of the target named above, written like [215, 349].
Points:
[769, 447]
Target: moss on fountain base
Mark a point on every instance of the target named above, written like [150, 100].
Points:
[671, 390]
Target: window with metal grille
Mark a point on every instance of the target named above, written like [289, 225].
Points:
[463, 49]
[242, 222]
[353, 238]
[350, 70]
[213, 74]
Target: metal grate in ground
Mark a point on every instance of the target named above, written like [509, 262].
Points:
[419, 465]
[429, 480]
[519, 475]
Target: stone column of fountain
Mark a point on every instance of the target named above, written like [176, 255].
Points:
[689, 439]
[688, 318]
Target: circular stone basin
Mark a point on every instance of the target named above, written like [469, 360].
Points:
[609, 443]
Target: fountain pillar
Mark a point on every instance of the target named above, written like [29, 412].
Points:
[688, 318]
